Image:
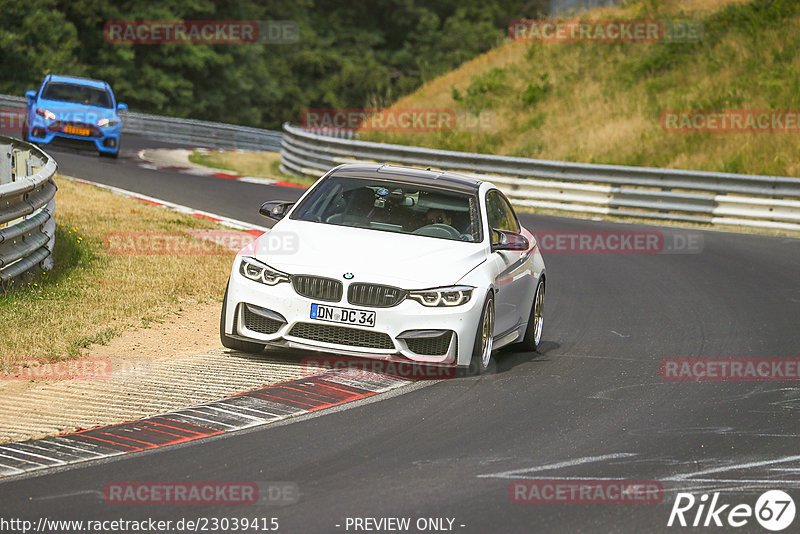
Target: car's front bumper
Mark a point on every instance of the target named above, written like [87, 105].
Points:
[108, 140]
[278, 316]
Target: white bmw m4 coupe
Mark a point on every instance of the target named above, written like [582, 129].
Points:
[394, 263]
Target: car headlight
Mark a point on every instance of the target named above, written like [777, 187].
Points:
[442, 296]
[46, 113]
[260, 272]
[102, 123]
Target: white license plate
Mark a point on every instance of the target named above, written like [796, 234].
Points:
[342, 315]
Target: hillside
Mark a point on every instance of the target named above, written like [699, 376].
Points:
[603, 102]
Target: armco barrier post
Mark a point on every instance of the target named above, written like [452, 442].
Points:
[5, 163]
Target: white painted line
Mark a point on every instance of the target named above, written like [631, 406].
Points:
[767, 481]
[257, 180]
[256, 420]
[375, 385]
[83, 447]
[225, 221]
[70, 494]
[7, 448]
[560, 478]
[182, 413]
[558, 465]
[691, 476]
[38, 465]
[9, 470]
[199, 172]
[51, 447]
[260, 413]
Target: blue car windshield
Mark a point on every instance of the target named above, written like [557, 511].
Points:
[77, 94]
[393, 207]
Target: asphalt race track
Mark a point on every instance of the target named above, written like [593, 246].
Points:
[592, 406]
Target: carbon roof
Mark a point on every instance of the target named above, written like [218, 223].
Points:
[381, 171]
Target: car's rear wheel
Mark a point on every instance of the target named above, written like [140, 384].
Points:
[484, 338]
[232, 343]
[533, 333]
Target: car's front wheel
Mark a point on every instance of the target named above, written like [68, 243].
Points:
[230, 342]
[484, 337]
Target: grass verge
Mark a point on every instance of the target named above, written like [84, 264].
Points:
[603, 102]
[91, 295]
[258, 164]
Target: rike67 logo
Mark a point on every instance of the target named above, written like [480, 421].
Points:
[774, 510]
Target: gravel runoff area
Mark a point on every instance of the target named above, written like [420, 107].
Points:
[172, 365]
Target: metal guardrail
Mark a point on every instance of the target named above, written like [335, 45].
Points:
[644, 192]
[200, 133]
[27, 205]
[192, 132]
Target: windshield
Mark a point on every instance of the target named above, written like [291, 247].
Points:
[393, 207]
[78, 94]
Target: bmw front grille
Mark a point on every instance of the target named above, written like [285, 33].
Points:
[374, 295]
[317, 287]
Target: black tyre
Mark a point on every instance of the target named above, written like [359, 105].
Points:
[484, 336]
[232, 343]
[533, 334]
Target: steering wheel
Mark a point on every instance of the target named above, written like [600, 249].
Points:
[452, 232]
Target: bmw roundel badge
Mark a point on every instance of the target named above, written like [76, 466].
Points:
[348, 276]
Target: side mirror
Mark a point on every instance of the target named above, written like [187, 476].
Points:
[505, 240]
[122, 107]
[275, 209]
[30, 95]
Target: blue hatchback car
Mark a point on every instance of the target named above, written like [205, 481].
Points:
[80, 112]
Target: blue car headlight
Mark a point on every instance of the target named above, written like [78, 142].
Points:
[46, 113]
[102, 123]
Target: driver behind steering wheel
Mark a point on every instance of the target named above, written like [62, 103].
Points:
[438, 216]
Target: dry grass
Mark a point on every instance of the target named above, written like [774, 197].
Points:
[91, 295]
[604, 101]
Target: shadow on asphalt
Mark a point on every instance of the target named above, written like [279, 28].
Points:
[504, 359]
[507, 359]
